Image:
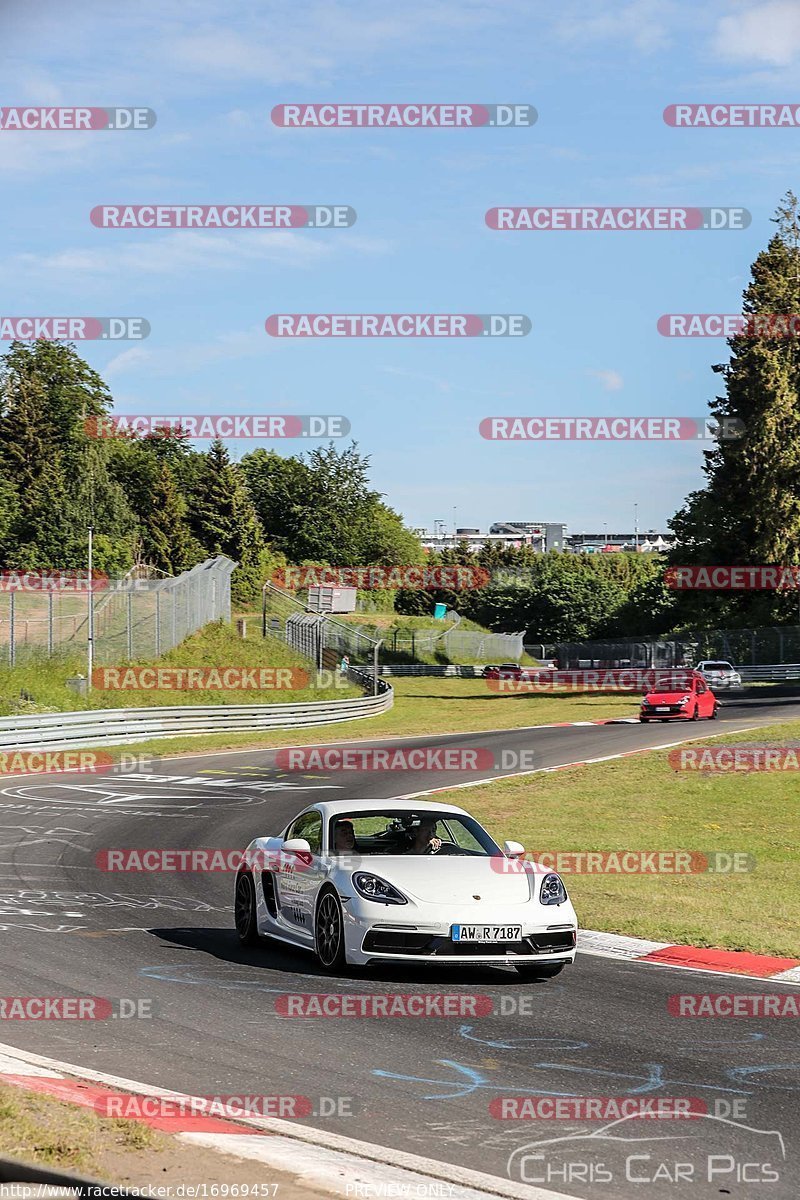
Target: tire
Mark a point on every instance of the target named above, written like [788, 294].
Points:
[644, 720]
[244, 910]
[715, 713]
[696, 713]
[533, 973]
[329, 933]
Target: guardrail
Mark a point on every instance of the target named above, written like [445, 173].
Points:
[771, 672]
[125, 726]
[446, 669]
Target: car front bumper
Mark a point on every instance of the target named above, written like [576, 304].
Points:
[378, 932]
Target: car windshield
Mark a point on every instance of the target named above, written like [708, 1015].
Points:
[717, 666]
[403, 831]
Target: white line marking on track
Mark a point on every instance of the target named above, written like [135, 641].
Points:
[329, 1159]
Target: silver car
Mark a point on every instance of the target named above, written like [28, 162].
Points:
[718, 674]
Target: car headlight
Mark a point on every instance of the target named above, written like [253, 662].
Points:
[372, 887]
[684, 699]
[552, 890]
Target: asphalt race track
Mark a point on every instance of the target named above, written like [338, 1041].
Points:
[422, 1085]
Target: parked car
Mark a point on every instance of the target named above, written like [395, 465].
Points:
[719, 674]
[677, 703]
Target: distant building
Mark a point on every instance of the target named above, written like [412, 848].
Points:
[546, 535]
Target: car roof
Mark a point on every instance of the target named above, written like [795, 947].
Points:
[330, 808]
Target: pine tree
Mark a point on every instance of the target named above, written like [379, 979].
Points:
[224, 521]
[167, 542]
[749, 510]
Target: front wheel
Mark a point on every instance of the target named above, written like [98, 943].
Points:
[244, 910]
[329, 933]
[715, 713]
[696, 713]
[534, 973]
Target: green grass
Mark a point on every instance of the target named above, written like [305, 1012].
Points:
[641, 803]
[426, 707]
[217, 645]
[43, 1130]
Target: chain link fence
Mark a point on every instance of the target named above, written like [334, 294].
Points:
[742, 647]
[317, 635]
[131, 618]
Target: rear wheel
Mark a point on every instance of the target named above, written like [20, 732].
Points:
[715, 713]
[535, 973]
[244, 910]
[329, 932]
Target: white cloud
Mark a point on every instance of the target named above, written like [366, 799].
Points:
[611, 381]
[641, 22]
[765, 32]
[187, 250]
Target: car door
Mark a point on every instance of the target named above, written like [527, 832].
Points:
[705, 698]
[299, 877]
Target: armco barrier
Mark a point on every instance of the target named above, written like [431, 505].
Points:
[444, 670]
[124, 726]
[775, 673]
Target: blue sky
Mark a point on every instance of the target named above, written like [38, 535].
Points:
[599, 74]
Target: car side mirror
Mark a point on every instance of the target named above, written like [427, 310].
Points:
[514, 849]
[296, 846]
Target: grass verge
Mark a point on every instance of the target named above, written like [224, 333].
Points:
[40, 684]
[642, 803]
[39, 1129]
[425, 707]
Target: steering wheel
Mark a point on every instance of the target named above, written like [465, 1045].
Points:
[433, 846]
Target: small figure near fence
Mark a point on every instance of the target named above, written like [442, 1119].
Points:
[344, 665]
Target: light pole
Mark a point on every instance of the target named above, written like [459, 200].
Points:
[636, 525]
[90, 624]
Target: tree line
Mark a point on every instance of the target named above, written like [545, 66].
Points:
[157, 500]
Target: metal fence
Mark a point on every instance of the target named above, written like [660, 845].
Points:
[322, 638]
[742, 647]
[131, 618]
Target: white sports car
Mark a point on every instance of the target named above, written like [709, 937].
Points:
[399, 880]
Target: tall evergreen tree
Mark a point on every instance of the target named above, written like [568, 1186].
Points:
[224, 522]
[749, 510]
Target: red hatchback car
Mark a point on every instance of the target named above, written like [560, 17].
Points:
[671, 702]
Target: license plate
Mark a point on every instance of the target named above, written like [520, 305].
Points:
[662, 708]
[487, 933]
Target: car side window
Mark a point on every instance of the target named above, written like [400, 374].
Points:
[309, 827]
[701, 688]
